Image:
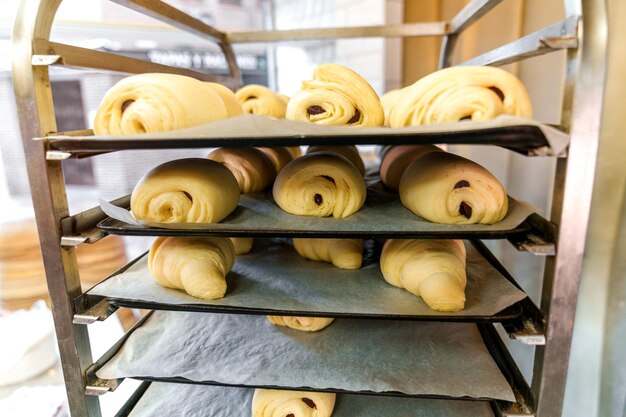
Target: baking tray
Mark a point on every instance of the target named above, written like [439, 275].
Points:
[382, 215]
[273, 279]
[397, 358]
[521, 135]
[167, 399]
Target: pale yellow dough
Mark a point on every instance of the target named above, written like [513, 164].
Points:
[342, 253]
[253, 170]
[445, 188]
[192, 190]
[233, 108]
[336, 96]
[456, 93]
[350, 152]
[262, 101]
[433, 269]
[397, 158]
[282, 403]
[321, 185]
[280, 156]
[388, 100]
[197, 265]
[305, 324]
[151, 103]
[242, 244]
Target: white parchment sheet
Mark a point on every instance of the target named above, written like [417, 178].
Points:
[275, 279]
[414, 358]
[164, 399]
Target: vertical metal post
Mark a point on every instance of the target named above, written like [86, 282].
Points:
[571, 205]
[36, 117]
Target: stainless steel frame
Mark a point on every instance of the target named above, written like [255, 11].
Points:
[583, 34]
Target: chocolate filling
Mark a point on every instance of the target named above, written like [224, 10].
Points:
[461, 184]
[188, 196]
[318, 199]
[465, 118]
[356, 117]
[498, 92]
[309, 402]
[465, 209]
[251, 98]
[327, 178]
[290, 415]
[126, 104]
[313, 110]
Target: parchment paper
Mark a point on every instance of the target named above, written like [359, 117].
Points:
[415, 358]
[382, 213]
[163, 399]
[251, 126]
[274, 278]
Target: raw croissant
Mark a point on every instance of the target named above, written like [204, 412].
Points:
[388, 100]
[350, 152]
[336, 96]
[459, 93]
[342, 253]
[233, 108]
[320, 184]
[280, 403]
[190, 190]
[280, 156]
[197, 265]
[260, 100]
[242, 244]
[305, 324]
[295, 151]
[397, 158]
[150, 103]
[433, 269]
[252, 169]
[445, 188]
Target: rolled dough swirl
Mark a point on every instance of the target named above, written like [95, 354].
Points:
[252, 169]
[281, 403]
[262, 101]
[305, 324]
[342, 253]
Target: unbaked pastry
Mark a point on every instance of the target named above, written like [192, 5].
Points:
[242, 244]
[433, 269]
[459, 93]
[445, 188]
[151, 103]
[280, 156]
[305, 324]
[282, 403]
[388, 100]
[336, 96]
[296, 151]
[253, 170]
[197, 265]
[350, 152]
[192, 190]
[397, 158]
[320, 184]
[262, 101]
[233, 108]
[342, 253]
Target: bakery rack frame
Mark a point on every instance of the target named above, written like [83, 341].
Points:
[583, 34]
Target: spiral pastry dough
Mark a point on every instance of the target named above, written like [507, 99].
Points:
[445, 188]
[433, 269]
[342, 253]
[197, 265]
[190, 190]
[151, 103]
[350, 152]
[397, 158]
[336, 96]
[280, 156]
[305, 324]
[320, 184]
[279, 403]
[233, 108]
[262, 101]
[242, 244]
[388, 100]
[252, 169]
[459, 93]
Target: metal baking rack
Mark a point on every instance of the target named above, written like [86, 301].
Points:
[581, 34]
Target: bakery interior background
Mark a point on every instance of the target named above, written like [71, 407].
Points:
[385, 63]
